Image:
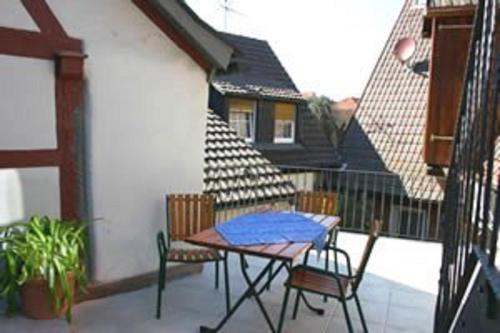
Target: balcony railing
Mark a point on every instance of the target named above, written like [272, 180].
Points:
[409, 206]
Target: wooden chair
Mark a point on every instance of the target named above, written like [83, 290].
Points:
[186, 216]
[342, 287]
[325, 203]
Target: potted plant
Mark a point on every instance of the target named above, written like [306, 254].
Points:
[43, 264]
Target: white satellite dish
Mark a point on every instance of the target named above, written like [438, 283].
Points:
[405, 49]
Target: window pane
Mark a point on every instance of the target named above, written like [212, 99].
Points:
[284, 122]
[242, 122]
[284, 131]
[241, 117]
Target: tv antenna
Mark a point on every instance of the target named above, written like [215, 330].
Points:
[229, 9]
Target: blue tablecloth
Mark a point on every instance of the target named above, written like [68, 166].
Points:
[272, 228]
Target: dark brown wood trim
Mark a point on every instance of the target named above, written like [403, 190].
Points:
[451, 11]
[427, 151]
[29, 158]
[152, 13]
[34, 44]
[44, 18]
[100, 290]
[51, 43]
[69, 86]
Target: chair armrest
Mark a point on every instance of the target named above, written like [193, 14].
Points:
[346, 256]
[162, 248]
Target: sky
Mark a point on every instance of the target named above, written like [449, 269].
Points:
[327, 46]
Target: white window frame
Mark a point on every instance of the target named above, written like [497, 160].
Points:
[282, 139]
[286, 140]
[252, 121]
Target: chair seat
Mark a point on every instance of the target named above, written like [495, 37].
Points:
[193, 255]
[313, 280]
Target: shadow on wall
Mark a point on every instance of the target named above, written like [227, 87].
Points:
[28, 191]
[11, 197]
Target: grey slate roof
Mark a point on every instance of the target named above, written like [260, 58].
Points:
[387, 132]
[255, 71]
[234, 170]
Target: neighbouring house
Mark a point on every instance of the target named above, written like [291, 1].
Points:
[407, 115]
[387, 133]
[257, 97]
[103, 112]
[343, 110]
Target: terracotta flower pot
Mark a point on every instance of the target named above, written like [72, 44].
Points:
[35, 298]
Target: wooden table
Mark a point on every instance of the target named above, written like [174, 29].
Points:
[285, 253]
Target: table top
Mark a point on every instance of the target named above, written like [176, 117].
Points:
[285, 251]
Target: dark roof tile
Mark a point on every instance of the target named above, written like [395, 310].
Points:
[255, 71]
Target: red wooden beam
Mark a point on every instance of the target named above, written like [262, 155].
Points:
[42, 15]
[51, 43]
[29, 158]
[153, 14]
[69, 86]
[34, 44]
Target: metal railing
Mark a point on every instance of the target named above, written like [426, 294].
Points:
[409, 206]
[471, 209]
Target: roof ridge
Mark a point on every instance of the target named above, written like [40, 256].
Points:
[224, 33]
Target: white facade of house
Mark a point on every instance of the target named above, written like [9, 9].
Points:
[27, 89]
[144, 109]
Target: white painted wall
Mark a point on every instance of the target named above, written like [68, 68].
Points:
[145, 110]
[14, 15]
[27, 103]
[28, 191]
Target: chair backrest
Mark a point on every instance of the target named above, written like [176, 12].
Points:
[375, 231]
[317, 202]
[188, 214]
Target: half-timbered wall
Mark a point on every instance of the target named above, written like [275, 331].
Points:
[40, 89]
[144, 117]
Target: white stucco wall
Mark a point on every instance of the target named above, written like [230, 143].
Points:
[27, 103]
[14, 15]
[145, 112]
[28, 191]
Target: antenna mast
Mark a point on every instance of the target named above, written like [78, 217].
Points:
[226, 11]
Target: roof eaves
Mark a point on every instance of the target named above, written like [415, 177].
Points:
[265, 97]
[197, 32]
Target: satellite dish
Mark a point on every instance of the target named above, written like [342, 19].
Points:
[405, 49]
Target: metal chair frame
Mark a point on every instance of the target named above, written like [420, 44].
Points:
[165, 246]
[354, 280]
[328, 200]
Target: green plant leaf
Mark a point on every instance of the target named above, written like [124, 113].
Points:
[42, 248]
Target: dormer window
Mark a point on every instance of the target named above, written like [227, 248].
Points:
[284, 122]
[242, 117]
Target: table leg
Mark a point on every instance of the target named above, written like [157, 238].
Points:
[271, 277]
[250, 291]
[252, 285]
[284, 305]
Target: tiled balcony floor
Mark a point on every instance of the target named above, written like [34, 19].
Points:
[397, 295]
